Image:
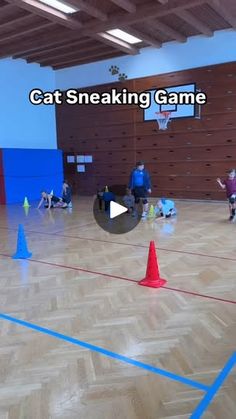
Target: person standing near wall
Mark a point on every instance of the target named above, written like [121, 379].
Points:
[230, 187]
[140, 185]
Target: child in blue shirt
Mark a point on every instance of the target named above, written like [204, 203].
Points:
[107, 198]
[165, 208]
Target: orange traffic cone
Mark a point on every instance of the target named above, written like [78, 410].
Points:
[152, 278]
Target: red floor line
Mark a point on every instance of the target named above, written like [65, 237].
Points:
[126, 279]
[147, 246]
[129, 244]
[41, 232]
[74, 268]
[197, 254]
[83, 270]
[199, 295]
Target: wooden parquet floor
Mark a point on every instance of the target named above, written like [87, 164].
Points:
[77, 284]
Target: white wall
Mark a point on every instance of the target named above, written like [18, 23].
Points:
[23, 125]
[198, 51]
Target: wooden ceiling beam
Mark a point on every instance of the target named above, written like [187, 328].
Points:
[55, 16]
[167, 30]
[88, 60]
[24, 32]
[25, 47]
[47, 12]
[120, 19]
[16, 20]
[70, 51]
[116, 43]
[95, 29]
[150, 40]
[144, 12]
[88, 8]
[45, 52]
[62, 62]
[126, 5]
[5, 8]
[193, 21]
[223, 11]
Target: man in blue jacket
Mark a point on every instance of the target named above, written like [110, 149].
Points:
[140, 184]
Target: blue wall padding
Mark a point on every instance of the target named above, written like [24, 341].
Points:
[28, 172]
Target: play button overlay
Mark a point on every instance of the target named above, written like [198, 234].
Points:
[116, 209]
[111, 213]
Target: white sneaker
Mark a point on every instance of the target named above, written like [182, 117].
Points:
[70, 205]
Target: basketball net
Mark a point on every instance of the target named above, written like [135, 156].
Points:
[163, 119]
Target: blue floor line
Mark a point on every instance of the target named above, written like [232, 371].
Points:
[203, 405]
[107, 353]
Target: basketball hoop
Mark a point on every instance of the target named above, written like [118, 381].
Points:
[163, 119]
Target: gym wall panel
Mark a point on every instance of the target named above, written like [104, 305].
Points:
[184, 161]
[28, 172]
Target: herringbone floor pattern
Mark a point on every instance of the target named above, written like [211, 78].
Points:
[42, 377]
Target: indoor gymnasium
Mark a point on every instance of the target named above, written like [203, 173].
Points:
[117, 209]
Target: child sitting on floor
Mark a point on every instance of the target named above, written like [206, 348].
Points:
[165, 208]
[100, 198]
[129, 201]
[66, 194]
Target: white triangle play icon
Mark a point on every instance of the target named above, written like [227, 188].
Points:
[116, 209]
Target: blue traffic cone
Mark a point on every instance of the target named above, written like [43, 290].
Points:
[22, 249]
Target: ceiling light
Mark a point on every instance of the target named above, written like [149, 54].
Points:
[60, 5]
[118, 33]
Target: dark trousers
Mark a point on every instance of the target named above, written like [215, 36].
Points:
[107, 205]
[100, 204]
